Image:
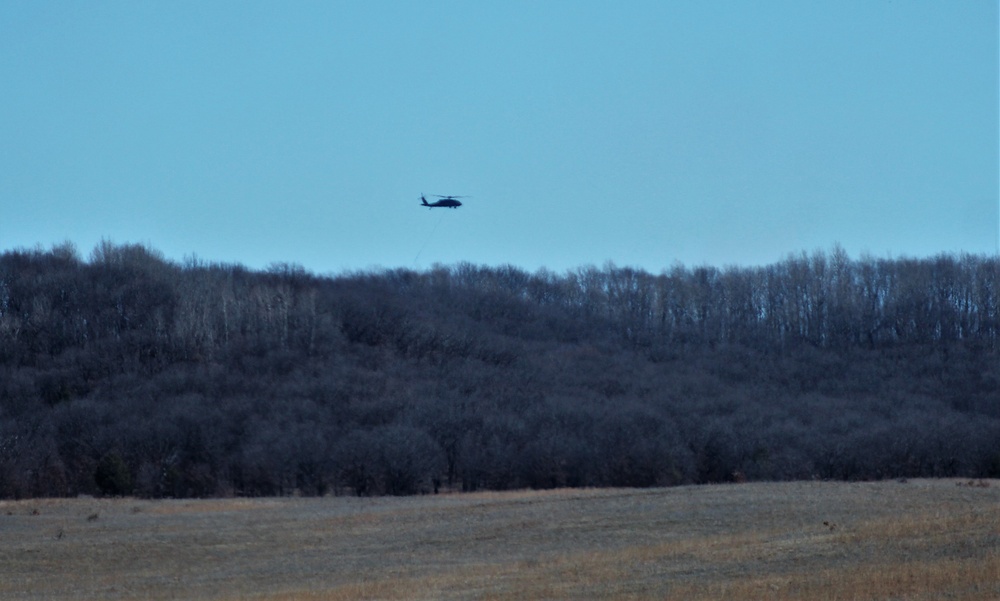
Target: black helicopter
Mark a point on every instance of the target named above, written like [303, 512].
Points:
[446, 201]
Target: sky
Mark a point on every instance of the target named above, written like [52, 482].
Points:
[642, 133]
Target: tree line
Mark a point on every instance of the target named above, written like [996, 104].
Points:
[126, 373]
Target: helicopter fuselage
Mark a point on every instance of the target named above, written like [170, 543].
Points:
[450, 203]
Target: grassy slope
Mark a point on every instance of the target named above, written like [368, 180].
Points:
[926, 539]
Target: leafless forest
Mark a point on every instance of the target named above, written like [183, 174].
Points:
[125, 373]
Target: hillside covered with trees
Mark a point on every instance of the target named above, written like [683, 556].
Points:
[126, 373]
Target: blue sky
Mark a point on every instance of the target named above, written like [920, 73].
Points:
[643, 133]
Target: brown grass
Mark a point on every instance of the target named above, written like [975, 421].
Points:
[921, 540]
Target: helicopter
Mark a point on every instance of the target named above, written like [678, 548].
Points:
[446, 201]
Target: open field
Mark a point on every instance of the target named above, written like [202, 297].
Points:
[918, 540]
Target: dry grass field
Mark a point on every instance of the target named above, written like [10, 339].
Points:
[917, 540]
